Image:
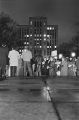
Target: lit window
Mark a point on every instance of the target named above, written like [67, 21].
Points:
[44, 35]
[37, 39]
[27, 35]
[48, 35]
[31, 35]
[48, 28]
[40, 46]
[27, 43]
[40, 35]
[55, 46]
[37, 35]
[24, 43]
[50, 46]
[47, 46]
[44, 39]
[31, 22]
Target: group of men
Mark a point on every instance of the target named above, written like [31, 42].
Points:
[14, 58]
[24, 64]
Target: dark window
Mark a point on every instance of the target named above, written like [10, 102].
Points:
[37, 23]
[40, 24]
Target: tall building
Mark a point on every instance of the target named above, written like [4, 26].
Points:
[39, 36]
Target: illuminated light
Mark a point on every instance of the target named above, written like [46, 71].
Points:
[53, 28]
[40, 46]
[73, 54]
[31, 35]
[24, 43]
[44, 39]
[44, 35]
[47, 46]
[48, 28]
[19, 50]
[31, 22]
[27, 43]
[55, 46]
[37, 39]
[27, 35]
[60, 56]
[40, 35]
[37, 43]
[48, 35]
[37, 35]
[50, 46]
[40, 39]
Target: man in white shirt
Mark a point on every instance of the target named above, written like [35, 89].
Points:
[27, 56]
[13, 56]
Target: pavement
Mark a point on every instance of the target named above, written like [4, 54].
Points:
[64, 92]
[24, 99]
[44, 98]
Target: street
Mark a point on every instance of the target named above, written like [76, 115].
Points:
[44, 98]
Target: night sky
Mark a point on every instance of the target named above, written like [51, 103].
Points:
[64, 13]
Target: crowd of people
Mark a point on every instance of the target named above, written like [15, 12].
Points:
[27, 65]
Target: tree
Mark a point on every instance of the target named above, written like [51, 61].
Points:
[65, 49]
[8, 31]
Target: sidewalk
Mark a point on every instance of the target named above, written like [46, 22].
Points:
[65, 93]
[26, 103]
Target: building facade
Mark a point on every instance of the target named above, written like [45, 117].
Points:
[40, 37]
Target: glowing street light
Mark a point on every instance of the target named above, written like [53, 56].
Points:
[73, 54]
[60, 56]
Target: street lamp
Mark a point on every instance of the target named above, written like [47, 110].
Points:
[60, 56]
[73, 54]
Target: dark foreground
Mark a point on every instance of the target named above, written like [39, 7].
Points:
[39, 98]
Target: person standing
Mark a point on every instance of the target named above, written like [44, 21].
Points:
[77, 67]
[52, 67]
[13, 61]
[39, 64]
[27, 56]
[3, 60]
[64, 67]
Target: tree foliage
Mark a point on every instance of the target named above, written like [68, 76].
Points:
[72, 46]
[8, 32]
